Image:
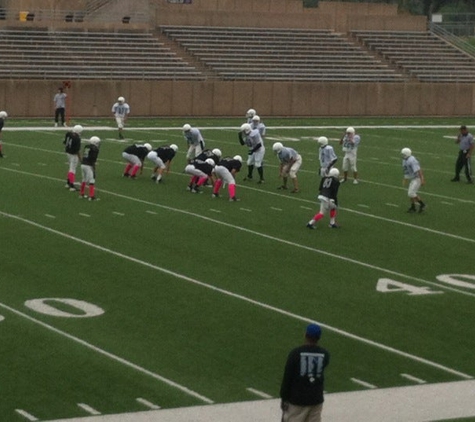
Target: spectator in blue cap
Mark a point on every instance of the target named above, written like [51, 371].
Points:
[301, 391]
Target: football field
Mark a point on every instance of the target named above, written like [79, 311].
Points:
[154, 297]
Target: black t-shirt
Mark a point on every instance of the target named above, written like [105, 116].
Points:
[303, 380]
[230, 164]
[329, 188]
[165, 153]
[207, 153]
[72, 142]
[204, 167]
[139, 150]
[89, 156]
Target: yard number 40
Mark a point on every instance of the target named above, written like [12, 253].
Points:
[387, 285]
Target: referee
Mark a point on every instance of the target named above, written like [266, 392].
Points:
[466, 144]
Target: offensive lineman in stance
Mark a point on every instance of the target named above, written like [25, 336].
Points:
[252, 138]
[413, 173]
[200, 172]
[135, 155]
[88, 168]
[350, 143]
[162, 158]
[72, 142]
[121, 110]
[225, 171]
[328, 199]
[290, 162]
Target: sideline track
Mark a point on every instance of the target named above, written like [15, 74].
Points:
[421, 403]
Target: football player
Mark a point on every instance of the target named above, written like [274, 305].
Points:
[290, 162]
[72, 143]
[200, 172]
[162, 158]
[412, 172]
[350, 143]
[121, 111]
[3, 116]
[250, 114]
[88, 168]
[135, 155]
[215, 154]
[257, 124]
[256, 150]
[328, 198]
[194, 140]
[326, 156]
[225, 172]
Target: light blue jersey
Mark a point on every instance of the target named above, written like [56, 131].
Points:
[286, 155]
[193, 136]
[410, 167]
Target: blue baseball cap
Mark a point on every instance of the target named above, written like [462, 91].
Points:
[313, 331]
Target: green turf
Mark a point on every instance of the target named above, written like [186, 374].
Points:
[212, 295]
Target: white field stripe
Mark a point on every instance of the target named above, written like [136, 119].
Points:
[415, 379]
[26, 415]
[151, 212]
[89, 409]
[392, 205]
[50, 216]
[363, 383]
[213, 210]
[259, 393]
[363, 206]
[388, 271]
[84, 215]
[226, 293]
[148, 404]
[306, 208]
[276, 209]
[245, 209]
[446, 203]
[121, 214]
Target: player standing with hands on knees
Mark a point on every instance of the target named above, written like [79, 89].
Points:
[413, 173]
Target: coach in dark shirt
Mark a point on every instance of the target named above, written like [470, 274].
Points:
[302, 386]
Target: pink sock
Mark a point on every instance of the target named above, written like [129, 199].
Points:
[91, 190]
[318, 216]
[232, 191]
[217, 186]
[202, 180]
[127, 168]
[71, 178]
[83, 187]
[135, 169]
[332, 213]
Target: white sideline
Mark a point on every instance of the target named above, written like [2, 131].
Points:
[419, 403]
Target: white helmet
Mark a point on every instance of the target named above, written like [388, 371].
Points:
[334, 172]
[277, 147]
[3, 114]
[148, 146]
[186, 127]
[256, 118]
[323, 140]
[78, 129]
[210, 161]
[121, 99]
[246, 128]
[406, 152]
[217, 152]
[174, 147]
[238, 157]
[251, 112]
[350, 130]
[95, 140]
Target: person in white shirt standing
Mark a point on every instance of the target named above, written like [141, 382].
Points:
[121, 110]
[350, 143]
[59, 101]
[326, 156]
[194, 140]
[413, 174]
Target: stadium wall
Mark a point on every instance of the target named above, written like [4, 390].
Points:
[217, 98]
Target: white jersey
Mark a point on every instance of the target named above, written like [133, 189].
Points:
[350, 144]
[193, 137]
[120, 110]
[326, 155]
[411, 167]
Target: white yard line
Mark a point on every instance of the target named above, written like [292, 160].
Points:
[363, 383]
[258, 393]
[224, 292]
[89, 409]
[412, 378]
[26, 415]
[147, 403]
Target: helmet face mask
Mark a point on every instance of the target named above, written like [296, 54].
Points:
[246, 128]
[250, 113]
[121, 100]
[256, 119]
[350, 130]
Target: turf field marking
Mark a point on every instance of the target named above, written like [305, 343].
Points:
[50, 216]
[148, 404]
[259, 393]
[213, 210]
[2, 318]
[104, 352]
[84, 215]
[120, 214]
[245, 209]
[151, 212]
[306, 208]
[276, 209]
[363, 383]
[363, 206]
[89, 409]
[412, 378]
[227, 293]
[446, 203]
[392, 205]
[26, 415]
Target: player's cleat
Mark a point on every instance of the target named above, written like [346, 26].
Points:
[195, 190]
[126, 175]
[282, 187]
[82, 196]
[455, 179]
[342, 180]
[334, 226]
[411, 210]
[133, 177]
[93, 198]
[422, 207]
[188, 188]
[234, 199]
[121, 136]
[311, 226]
[355, 182]
[260, 182]
[215, 195]
[154, 177]
[67, 185]
[295, 191]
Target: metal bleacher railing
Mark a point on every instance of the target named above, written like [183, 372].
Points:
[453, 39]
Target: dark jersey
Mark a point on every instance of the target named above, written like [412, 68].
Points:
[230, 164]
[329, 188]
[89, 156]
[207, 153]
[302, 384]
[165, 153]
[204, 167]
[2, 122]
[72, 142]
[139, 150]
